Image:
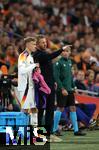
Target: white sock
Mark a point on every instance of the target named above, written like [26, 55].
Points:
[35, 132]
[34, 119]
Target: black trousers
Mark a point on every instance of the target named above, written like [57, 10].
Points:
[49, 112]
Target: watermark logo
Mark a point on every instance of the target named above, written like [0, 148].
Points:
[25, 136]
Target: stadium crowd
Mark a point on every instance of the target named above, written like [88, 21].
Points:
[63, 22]
[70, 22]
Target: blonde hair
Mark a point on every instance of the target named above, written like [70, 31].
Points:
[29, 39]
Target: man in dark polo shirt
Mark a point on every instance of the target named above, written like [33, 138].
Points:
[44, 58]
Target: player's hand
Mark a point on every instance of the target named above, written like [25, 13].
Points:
[37, 65]
[55, 85]
[76, 91]
[64, 92]
[66, 47]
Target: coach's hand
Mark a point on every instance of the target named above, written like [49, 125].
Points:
[66, 47]
[64, 92]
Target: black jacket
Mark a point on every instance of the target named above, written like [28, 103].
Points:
[45, 61]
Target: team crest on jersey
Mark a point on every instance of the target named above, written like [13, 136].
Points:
[26, 53]
[57, 63]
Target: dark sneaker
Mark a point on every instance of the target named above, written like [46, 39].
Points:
[68, 128]
[79, 133]
[58, 133]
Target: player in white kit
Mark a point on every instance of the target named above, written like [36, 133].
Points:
[25, 83]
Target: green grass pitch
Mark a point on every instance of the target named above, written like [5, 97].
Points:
[71, 142]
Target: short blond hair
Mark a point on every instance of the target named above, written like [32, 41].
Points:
[29, 39]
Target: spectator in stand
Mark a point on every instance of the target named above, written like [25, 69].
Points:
[10, 53]
[96, 85]
[3, 62]
[84, 63]
[70, 22]
[79, 82]
[11, 58]
[74, 71]
[89, 82]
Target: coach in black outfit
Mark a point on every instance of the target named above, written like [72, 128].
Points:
[45, 60]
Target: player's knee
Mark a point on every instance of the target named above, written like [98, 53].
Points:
[60, 109]
[72, 108]
[34, 110]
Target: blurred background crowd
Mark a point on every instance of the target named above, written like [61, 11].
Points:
[74, 22]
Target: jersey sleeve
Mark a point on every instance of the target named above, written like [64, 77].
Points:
[22, 68]
[45, 57]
